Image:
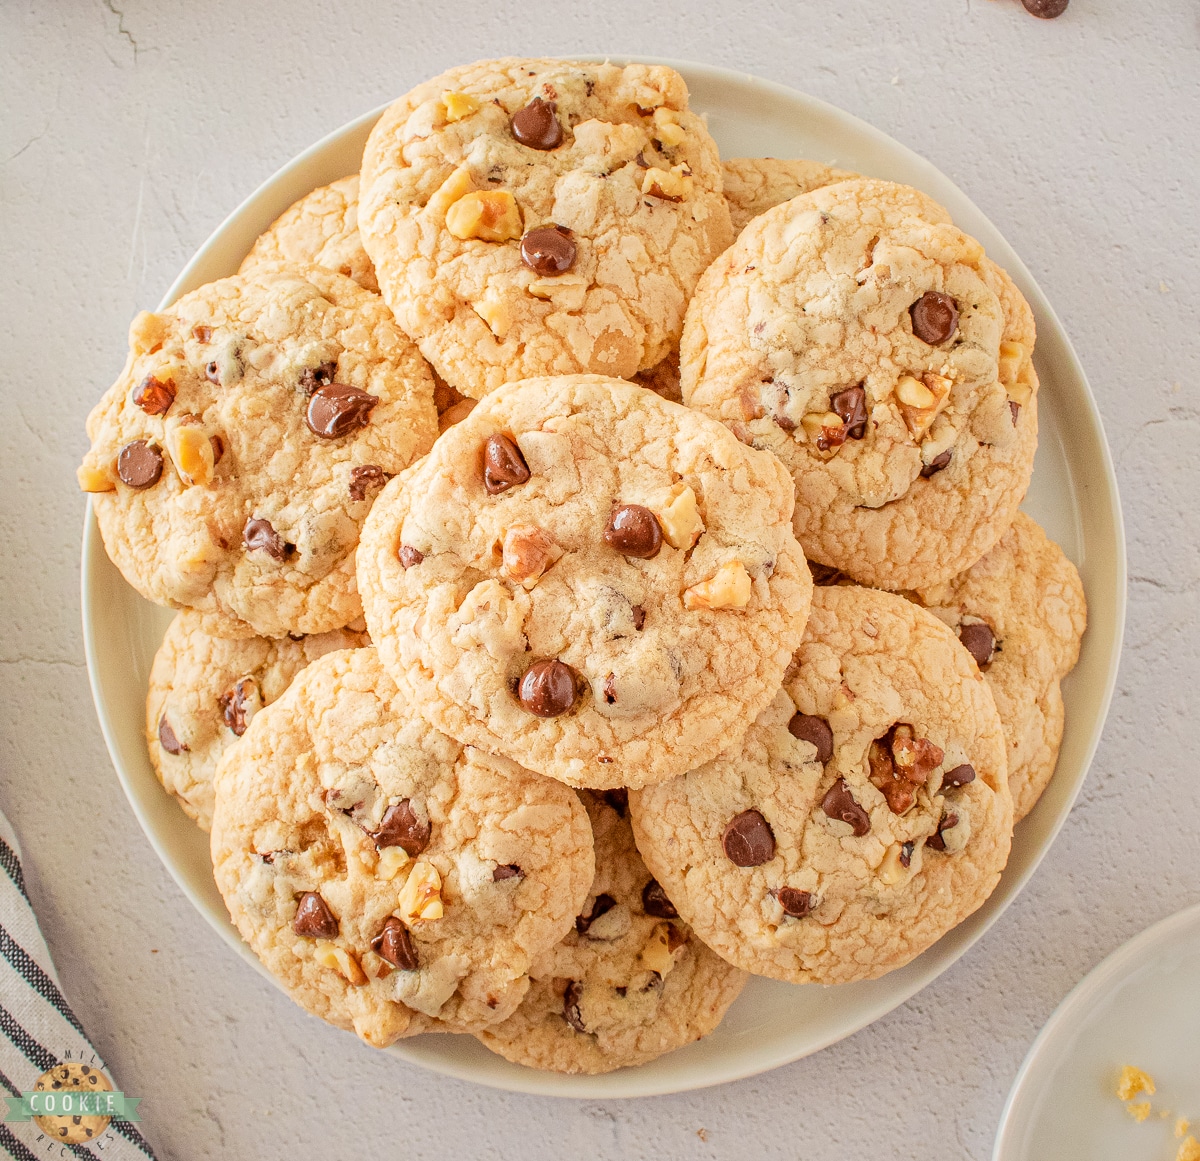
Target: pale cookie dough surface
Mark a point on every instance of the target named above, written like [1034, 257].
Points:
[869, 661]
[1030, 596]
[295, 799]
[481, 316]
[628, 987]
[754, 184]
[239, 449]
[321, 228]
[813, 300]
[205, 690]
[661, 687]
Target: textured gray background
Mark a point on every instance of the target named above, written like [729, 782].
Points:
[128, 131]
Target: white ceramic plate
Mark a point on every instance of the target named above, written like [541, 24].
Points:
[1141, 1006]
[1074, 496]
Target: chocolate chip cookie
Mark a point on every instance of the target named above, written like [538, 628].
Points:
[629, 983]
[536, 217]
[866, 813]
[1021, 613]
[754, 184]
[236, 457]
[595, 582]
[873, 347]
[204, 691]
[386, 875]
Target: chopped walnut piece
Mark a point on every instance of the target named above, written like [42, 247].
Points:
[825, 429]
[920, 400]
[489, 215]
[330, 955]
[421, 895]
[671, 185]
[729, 588]
[528, 552]
[900, 763]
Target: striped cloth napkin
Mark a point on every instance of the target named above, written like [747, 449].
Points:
[38, 1028]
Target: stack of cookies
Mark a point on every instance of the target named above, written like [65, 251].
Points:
[599, 567]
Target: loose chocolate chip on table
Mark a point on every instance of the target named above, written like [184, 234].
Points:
[936, 464]
[809, 728]
[410, 556]
[401, 827]
[572, 994]
[639, 617]
[167, 738]
[336, 409]
[634, 531]
[259, 534]
[618, 799]
[906, 852]
[851, 405]
[957, 777]
[936, 842]
[212, 372]
[313, 377]
[980, 642]
[394, 944]
[748, 840]
[139, 464]
[934, 317]
[1014, 409]
[839, 803]
[505, 871]
[823, 575]
[548, 250]
[503, 464]
[602, 904]
[1045, 9]
[363, 478]
[233, 705]
[154, 396]
[536, 125]
[548, 688]
[656, 903]
[313, 919]
[794, 902]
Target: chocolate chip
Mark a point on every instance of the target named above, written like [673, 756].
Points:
[505, 871]
[337, 409]
[794, 902]
[957, 777]
[536, 125]
[503, 464]
[394, 944]
[410, 556]
[617, 799]
[934, 317]
[212, 372]
[610, 690]
[548, 688]
[139, 464]
[823, 575]
[572, 994]
[906, 852]
[656, 903]
[936, 464]
[167, 738]
[639, 617]
[313, 377]
[809, 728]
[602, 904]
[365, 477]
[233, 704]
[839, 803]
[1045, 9]
[634, 531]
[980, 642]
[548, 250]
[748, 840]
[201, 334]
[154, 396]
[313, 919]
[1014, 409]
[401, 827]
[851, 405]
[935, 842]
[259, 534]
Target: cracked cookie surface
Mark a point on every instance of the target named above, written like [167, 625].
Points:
[786, 856]
[213, 488]
[910, 454]
[458, 176]
[390, 878]
[630, 983]
[524, 625]
[754, 184]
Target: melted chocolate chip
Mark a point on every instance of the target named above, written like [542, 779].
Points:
[851, 406]
[957, 777]
[656, 903]
[313, 377]
[935, 842]
[1045, 9]
[748, 840]
[395, 944]
[364, 478]
[634, 531]
[167, 738]
[639, 617]
[617, 799]
[936, 464]
[505, 871]
[1014, 409]
[401, 827]
[139, 464]
[610, 690]
[823, 575]
[980, 642]
[794, 902]
[602, 904]
[809, 728]
[934, 317]
[410, 556]
[572, 994]
[548, 250]
[548, 688]
[336, 409]
[906, 853]
[233, 704]
[212, 372]
[154, 396]
[260, 535]
[503, 464]
[536, 125]
[839, 804]
[313, 919]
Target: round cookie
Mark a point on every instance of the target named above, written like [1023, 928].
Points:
[539, 217]
[595, 582]
[630, 983]
[1021, 612]
[73, 1077]
[235, 459]
[204, 691]
[754, 184]
[321, 228]
[865, 814]
[386, 875]
[910, 454]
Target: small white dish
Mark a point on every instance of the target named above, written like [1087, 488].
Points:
[1073, 496]
[1141, 1006]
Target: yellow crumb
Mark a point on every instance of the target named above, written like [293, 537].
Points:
[1139, 1111]
[1189, 1150]
[1181, 1126]
[1133, 1081]
[702, 1134]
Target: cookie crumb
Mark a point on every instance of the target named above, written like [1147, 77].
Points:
[1133, 1081]
[1189, 1150]
[1139, 1110]
[1181, 1127]
[702, 1134]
